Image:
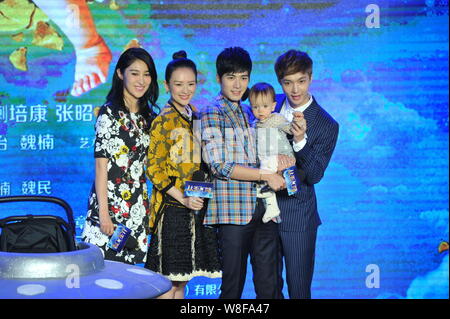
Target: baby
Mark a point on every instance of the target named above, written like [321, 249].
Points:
[272, 140]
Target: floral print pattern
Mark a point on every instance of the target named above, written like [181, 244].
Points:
[122, 139]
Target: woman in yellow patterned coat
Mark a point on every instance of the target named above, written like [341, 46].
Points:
[181, 247]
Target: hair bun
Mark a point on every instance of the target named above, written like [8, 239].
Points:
[179, 55]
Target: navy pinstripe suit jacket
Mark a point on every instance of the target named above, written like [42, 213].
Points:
[299, 211]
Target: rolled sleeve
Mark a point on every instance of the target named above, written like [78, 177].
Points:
[223, 170]
[213, 142]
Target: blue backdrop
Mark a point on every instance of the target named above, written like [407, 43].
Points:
[381, 70]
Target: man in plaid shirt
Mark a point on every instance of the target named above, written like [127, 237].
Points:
[229, 149]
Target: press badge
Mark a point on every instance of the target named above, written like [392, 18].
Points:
[198, 189]
[292, 180]
[119, 238]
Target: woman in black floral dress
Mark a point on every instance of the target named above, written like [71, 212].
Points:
[119, 194]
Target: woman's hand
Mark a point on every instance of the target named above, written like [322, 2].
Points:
[194, 203]
[106, 225]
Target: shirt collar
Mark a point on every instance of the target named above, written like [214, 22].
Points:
[301, 108]
[227, 102]
[187, 113]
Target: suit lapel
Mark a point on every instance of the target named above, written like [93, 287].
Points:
[310, 114]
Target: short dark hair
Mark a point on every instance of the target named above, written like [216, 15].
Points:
[293, 61]
[115, 95]
[262, 88]
[180, 60]
[233, 60]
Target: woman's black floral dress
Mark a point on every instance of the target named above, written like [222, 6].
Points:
[122, 139]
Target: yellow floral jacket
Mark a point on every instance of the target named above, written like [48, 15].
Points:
[173, 156]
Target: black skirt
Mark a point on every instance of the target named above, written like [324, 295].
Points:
[181, 247]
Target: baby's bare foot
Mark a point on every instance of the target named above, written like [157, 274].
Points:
[91, 68]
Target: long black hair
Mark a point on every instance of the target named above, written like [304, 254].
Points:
[148, 100]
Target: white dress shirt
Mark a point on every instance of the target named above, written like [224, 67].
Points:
[287, 111]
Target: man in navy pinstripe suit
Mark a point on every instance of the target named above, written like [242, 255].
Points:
[314, 138]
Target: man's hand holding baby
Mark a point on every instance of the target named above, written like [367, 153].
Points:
[298, 127]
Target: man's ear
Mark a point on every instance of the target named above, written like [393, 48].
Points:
[218, 78]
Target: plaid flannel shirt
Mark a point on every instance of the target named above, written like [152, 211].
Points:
[228, 140]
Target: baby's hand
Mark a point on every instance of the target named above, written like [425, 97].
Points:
[285, 161]
[298, 127]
